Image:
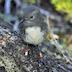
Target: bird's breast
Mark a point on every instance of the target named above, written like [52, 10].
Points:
[34, 35]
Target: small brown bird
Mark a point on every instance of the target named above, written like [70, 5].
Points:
[33, 28]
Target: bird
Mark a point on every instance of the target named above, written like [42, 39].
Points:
[32, 26]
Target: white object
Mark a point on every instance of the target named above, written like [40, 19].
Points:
[34, 35]
[26, 53]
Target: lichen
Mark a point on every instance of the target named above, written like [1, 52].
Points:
[8, 62]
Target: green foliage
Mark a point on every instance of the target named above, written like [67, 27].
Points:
[30, 1]
[63, 6]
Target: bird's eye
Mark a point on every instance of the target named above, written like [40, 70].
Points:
[31, 17]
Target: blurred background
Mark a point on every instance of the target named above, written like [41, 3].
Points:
[59, 11]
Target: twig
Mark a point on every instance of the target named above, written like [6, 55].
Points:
[7, 6]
